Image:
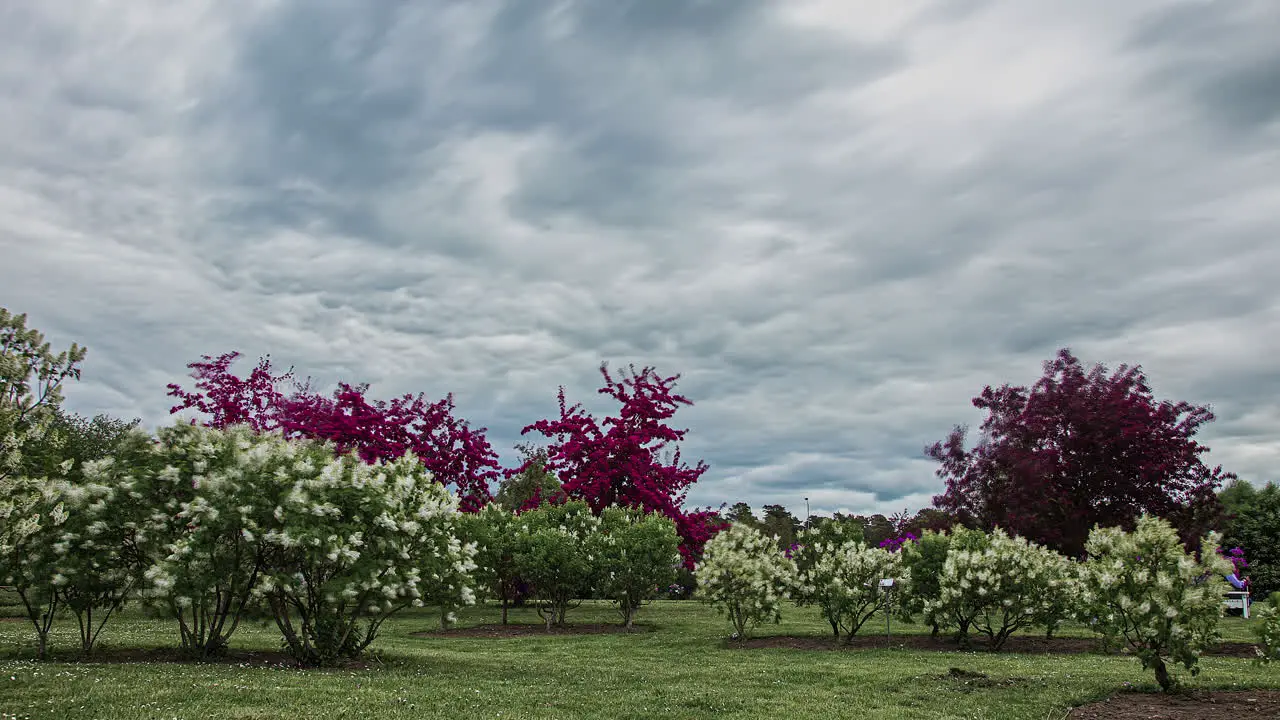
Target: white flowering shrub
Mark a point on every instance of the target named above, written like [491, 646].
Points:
[745, 576]
[1142, 587]
[636, 554]
[844, 583]
[32, 515]
[552, 550]
[82, 545]
[1267, 629]
[352, 544]
[203, 510]
[998, 585]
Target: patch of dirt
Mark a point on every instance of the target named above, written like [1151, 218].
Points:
[969, 680]
[1030, 645]
[525, 630]
[1178, 706]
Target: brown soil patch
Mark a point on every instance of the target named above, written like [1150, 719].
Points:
[1196, 706]
[1030, 645]
[525, 630]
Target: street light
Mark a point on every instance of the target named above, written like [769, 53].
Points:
[806, 513]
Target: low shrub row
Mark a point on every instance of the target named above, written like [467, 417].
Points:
[1139, 588]
[207, 526]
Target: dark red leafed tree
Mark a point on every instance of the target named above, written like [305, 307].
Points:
[618, 461]
[454, 452]
[1079, 448]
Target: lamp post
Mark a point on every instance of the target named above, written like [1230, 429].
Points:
[806, 513]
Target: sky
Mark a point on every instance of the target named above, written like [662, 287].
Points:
[838, 220]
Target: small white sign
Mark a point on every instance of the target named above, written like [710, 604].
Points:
[887, 582]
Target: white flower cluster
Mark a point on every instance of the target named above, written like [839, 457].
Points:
[744, 575]
[998, 584]
[844, 583]
[1144, 587]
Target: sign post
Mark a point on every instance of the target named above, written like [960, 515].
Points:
[886, 586]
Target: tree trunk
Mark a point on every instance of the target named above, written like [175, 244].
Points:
[504, 609]
[1162, 675]
[43, 653]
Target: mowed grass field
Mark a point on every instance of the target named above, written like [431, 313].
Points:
[680, 668]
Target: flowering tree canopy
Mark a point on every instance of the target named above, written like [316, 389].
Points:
[616, 462]
[1079, 448]
[454, 452]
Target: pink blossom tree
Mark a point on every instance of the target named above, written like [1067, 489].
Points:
[449, 447]
[617, 461]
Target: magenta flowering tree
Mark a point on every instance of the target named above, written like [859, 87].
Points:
[1080, 448]
[377, 430]
[617, 461]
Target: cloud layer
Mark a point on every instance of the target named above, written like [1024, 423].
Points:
[838, 220]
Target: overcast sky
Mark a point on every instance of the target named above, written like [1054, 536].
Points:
[837, 219]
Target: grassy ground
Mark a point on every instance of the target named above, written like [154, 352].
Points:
[682, 669]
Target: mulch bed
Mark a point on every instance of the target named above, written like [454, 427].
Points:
[526, 630]
[1219, 705]
[1018, 644]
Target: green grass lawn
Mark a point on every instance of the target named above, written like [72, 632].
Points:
[682, 669]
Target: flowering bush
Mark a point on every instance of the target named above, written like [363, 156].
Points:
[552, 552]
[999, 585]
[32, 514]
[744, 575]
[353, 543]
[822, 538]
[201, 502]
[845, 584]
[1267, 630]
[1144, 587]
[636, 553]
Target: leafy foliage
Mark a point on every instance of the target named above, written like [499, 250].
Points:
[1254, 525]
[923, 562]
[492, 529]
[530, 484]
[1079, 448]
[553, 553]
[1144, 588]
[1267, 629]
[636, 554]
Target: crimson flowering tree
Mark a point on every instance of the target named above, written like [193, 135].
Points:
[616, 462]
[1079, 448]
[452, 450]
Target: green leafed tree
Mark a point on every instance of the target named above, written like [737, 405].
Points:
[532, 486]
